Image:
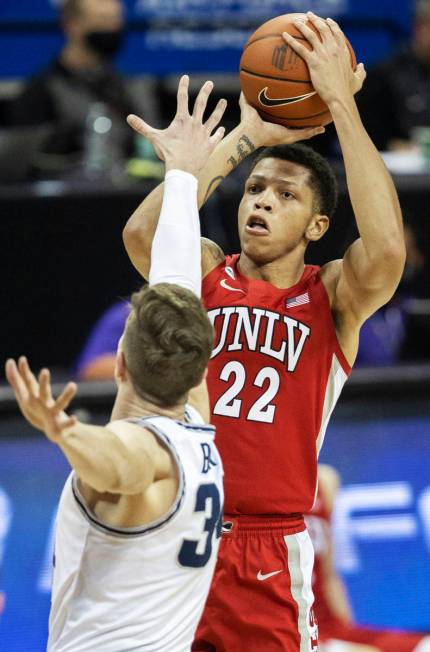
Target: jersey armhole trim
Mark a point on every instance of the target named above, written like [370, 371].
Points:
[347, 368]
[148, 527]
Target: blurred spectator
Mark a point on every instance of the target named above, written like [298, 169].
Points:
[81, 82]
[382, 336]
[396, 96]
[97, 359]
[336, 625]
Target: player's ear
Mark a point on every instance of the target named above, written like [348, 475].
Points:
[317, 226]
[120, 365]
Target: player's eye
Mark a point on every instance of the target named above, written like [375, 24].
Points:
[253, 188]
[286, 194]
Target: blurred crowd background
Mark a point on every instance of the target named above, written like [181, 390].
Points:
[72, 172]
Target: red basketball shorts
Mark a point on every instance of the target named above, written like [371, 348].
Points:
[261, 596]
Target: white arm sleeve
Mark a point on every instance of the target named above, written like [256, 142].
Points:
[176, 249]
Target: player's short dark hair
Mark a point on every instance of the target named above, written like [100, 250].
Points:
[70, 9]
[167, 342]
[322, 179]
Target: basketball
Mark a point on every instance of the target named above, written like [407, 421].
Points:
[275, 79]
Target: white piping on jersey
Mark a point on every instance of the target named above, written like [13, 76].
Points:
[300, 564]
[192, 415]
[335, 382]
[153, 525]
[195, 426]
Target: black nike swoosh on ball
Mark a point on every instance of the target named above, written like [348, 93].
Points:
[282, 101]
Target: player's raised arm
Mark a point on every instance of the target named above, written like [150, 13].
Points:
[251, 133]
[114, 459]
[372, 266]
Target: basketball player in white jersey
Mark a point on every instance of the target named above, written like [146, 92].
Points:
[139, 517]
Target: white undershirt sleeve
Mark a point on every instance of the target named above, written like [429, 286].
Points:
[176, 248]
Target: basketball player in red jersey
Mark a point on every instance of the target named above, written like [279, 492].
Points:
[337, 631]
[286, 337]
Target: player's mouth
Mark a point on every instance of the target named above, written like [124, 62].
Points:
[257, 225]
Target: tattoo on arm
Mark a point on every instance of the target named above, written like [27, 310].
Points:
[212, 250]
[244, 148]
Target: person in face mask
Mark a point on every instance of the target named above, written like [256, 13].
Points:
[82, 76]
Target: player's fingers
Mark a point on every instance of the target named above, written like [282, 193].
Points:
[320, 24]
[359, 77]
[66, 396]
[182, 97]
[308, 33]
[216, 115]
[217, 136]
[15, 380]
[140, 125]
[338, 35]
[245, 107]
[295, 44]
[242, 101]
[202, 100]
[45, 385]
[28, 377]
[307, 132]
[336, 30]
[69, 422]
[360, 72]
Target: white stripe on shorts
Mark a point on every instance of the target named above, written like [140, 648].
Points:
[300, 566]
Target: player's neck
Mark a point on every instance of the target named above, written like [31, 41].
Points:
[282, 273]
[128, 405]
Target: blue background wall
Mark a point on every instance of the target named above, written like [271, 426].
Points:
[382, 523]
[172, 36]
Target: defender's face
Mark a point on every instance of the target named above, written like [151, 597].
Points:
[275, 210]
[101, 16]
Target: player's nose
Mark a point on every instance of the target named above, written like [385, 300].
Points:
[264, 202]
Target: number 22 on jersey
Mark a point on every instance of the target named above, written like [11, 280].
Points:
[229, 404]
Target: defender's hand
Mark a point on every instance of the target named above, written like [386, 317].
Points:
[266, 134]
[35, 400]
[187, 142]
[329, 61]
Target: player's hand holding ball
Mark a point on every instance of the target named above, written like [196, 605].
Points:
[265, 134]
[294, 65]
[329, 61]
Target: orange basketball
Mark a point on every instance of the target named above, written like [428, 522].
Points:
[275, 79]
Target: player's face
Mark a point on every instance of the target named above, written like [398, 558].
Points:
[276, 210]
[106, 15]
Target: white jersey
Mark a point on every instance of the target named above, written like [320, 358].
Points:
[140, 589]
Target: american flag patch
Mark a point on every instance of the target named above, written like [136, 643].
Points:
[298, 301]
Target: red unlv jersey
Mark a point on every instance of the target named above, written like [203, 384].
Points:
[275, 374]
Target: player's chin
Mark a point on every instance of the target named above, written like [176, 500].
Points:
[257, 249]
